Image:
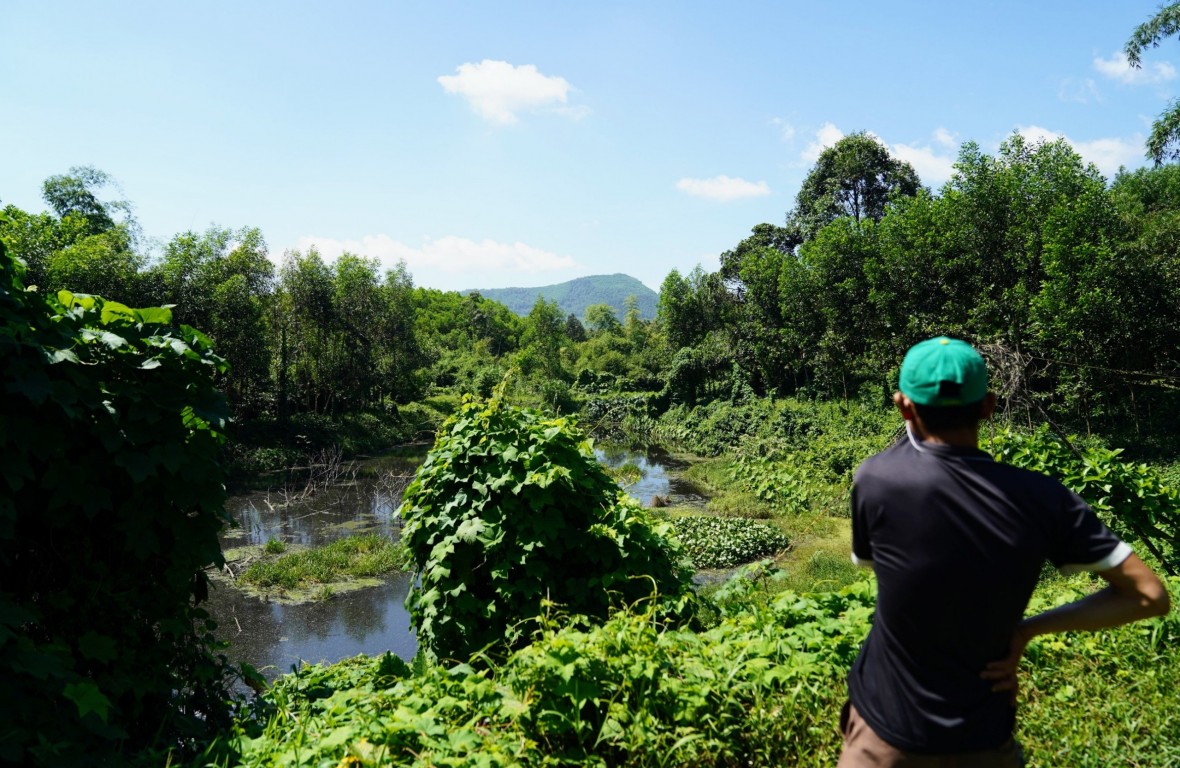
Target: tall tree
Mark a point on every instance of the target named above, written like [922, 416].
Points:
[76, 194]
[601, 318]
[855, 177]
[542, 339]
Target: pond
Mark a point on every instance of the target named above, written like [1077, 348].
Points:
[273, 636]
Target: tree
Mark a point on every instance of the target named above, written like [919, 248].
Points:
[83, 248]
[574, 329]
[34, 238]
[1164, 142]
[543, 338]
[691, 306]
[856, 177]
[221, 281]
[601, 318]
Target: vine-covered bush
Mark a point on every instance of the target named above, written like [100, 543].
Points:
[510, 511]
[111, 498]
[724, 542]
[1131, 498]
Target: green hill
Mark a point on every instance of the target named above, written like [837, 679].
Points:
[575, 295]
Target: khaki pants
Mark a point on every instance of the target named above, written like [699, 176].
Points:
[864, 749]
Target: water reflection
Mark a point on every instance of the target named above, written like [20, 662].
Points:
[657, 467]
[273, 637]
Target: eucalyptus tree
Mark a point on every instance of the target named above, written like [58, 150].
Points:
[76, 194]
[221, 282]
[86, 245]
[542, 340]
[601, 318]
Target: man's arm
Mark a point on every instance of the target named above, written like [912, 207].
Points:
[1135, 593]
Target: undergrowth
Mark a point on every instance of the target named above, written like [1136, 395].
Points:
[763, 686]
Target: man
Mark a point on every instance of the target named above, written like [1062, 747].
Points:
[957, 542]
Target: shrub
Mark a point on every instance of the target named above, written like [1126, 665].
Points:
[112, 500]
[1131, 498]
[509, 511]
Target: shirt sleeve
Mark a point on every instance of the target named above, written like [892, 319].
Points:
[1084, 543]
[862, 548]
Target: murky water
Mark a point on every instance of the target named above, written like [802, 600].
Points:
[273, 637]
[658, 479]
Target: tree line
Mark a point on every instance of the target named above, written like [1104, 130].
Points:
[1070, 284]
[312, 335]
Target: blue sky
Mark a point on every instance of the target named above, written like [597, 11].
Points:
[527, 143]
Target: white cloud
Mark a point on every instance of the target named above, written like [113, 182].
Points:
[1079, 91]
[1118, 68]
[825, 137]
[723, 188]
[1107, 154]
[786, 130]
[497, 90]
[946, 138]
[450, 255]
[933, 168]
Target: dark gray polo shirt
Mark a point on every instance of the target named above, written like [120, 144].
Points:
[957, 541]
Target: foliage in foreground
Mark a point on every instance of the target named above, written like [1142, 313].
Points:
[510, 512]
[757, 689]
[1131, 498]
[111, 502]
[762, 687]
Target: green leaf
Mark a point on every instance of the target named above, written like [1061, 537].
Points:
[113, 310]
[88, 698]
[157, 315]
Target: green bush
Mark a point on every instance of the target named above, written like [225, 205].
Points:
[1131, 498]
[509, 512]
[112, 499]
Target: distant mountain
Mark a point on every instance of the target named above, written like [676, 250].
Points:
[575, 295]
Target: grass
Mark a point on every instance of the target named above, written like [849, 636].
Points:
[349, 558]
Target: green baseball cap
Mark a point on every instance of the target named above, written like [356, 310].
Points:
[943, 372]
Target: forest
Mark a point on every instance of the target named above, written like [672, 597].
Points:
[775, 370]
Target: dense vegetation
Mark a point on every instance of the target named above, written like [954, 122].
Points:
[110, 428]
[776, 368]
[511, 516]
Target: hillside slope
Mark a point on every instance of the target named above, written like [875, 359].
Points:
[575, 295]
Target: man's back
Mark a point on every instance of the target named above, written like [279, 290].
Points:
[957, 542]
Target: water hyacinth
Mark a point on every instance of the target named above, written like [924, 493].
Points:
[726, 542]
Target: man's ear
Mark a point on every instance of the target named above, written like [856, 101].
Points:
[988, 406]
[904, 405]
